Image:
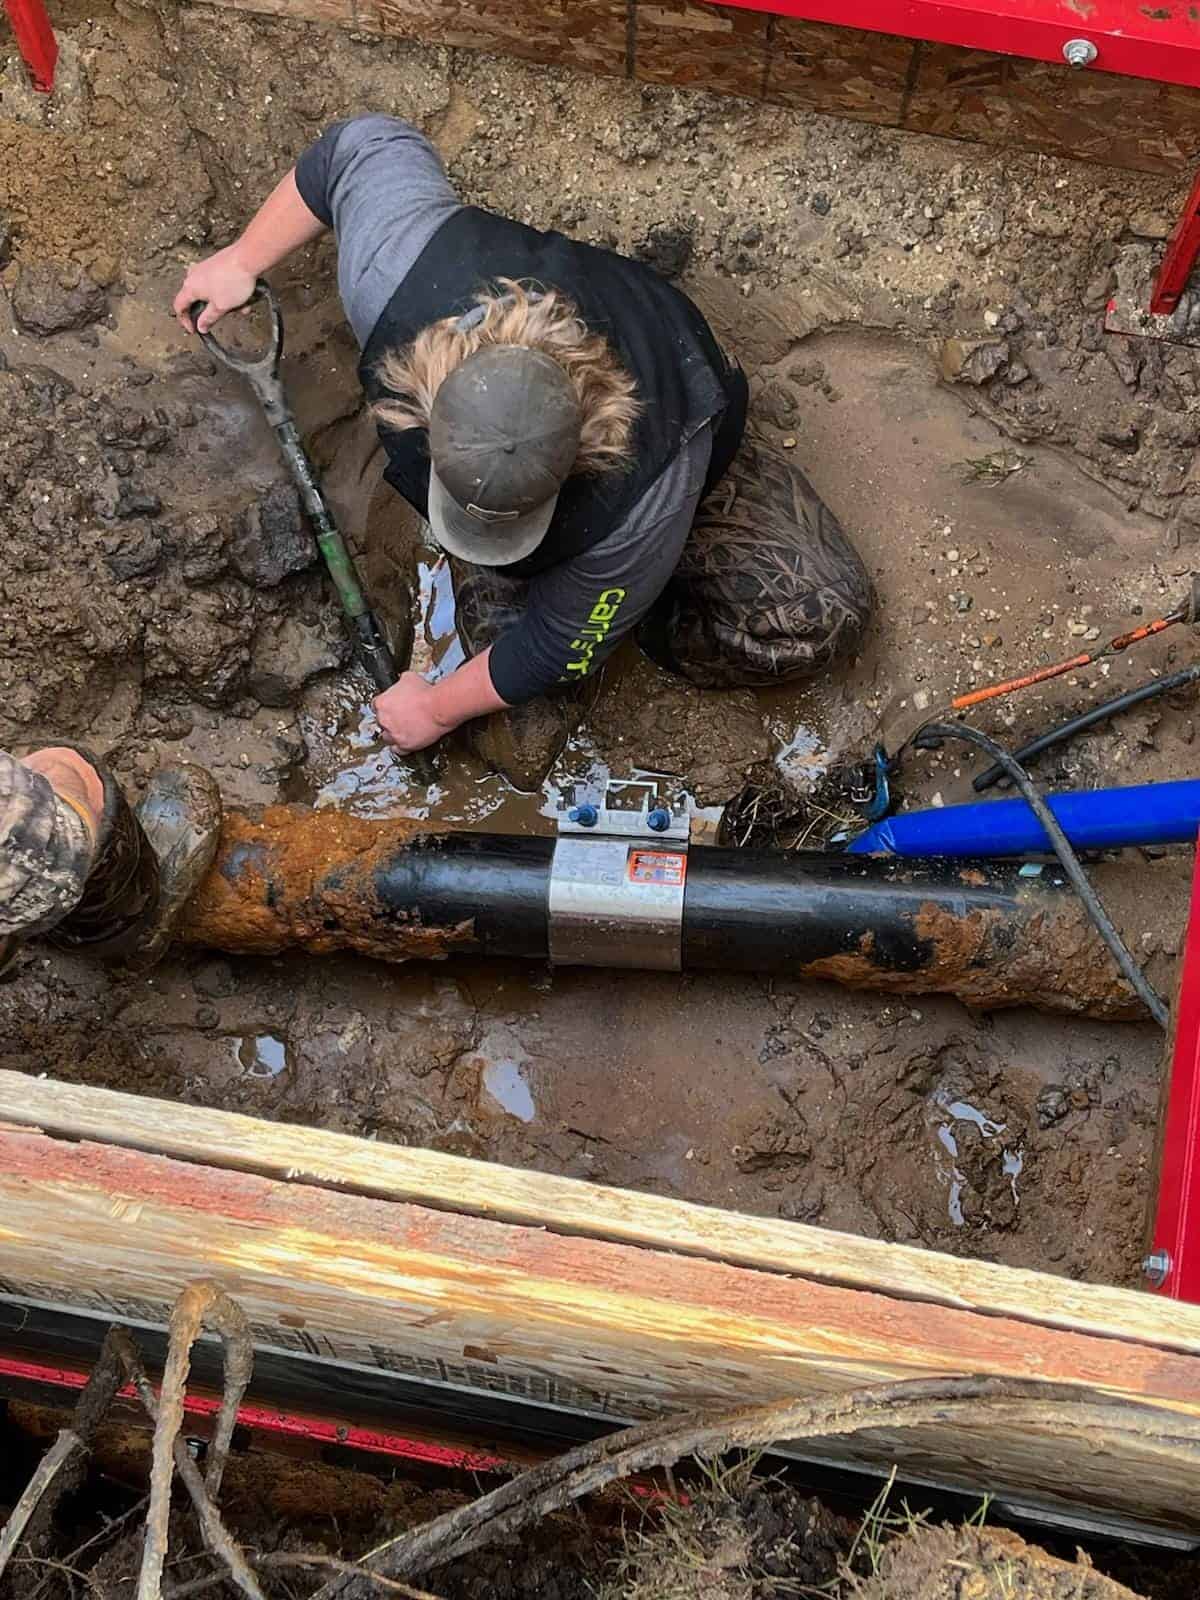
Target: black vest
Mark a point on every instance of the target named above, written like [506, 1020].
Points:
[683, 377]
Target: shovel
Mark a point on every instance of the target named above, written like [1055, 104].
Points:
[262, 374]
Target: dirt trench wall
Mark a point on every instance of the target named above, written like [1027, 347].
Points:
[786, 61]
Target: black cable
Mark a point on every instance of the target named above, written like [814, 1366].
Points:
[1068, 730]
[1130, 970]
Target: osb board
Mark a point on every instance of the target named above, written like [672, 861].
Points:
[1125, 122]
[839, 70]
[620, 1330]
[571, 1207]
[591, 35]
[701, 46]
[1118, 121]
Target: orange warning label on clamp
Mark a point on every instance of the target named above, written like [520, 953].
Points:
[667, 867]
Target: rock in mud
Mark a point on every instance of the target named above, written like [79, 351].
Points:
[132, 553]
[1185, 524]
[973, 360]
[273, 540]
[1052, 1105]
[287, 653]
[666, 247]
[198, 644]
[203, 548]
[52, 297]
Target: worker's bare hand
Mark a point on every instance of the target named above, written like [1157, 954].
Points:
[222, 281]
[408, 714]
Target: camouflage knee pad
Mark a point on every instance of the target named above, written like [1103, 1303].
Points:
[769, 588]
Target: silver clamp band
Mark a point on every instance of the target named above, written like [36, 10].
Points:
[618, 877]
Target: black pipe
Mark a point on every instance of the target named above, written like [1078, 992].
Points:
[992, 934]
[778, 911]
[1088, 719]
[497, 883]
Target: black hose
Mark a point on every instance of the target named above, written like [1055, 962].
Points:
[1130, 970]
[1068, 730]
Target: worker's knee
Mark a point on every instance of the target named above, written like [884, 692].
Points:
[770, 589]
[47, 841]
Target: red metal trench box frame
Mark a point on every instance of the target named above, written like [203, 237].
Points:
[1157, 39]
[1173, 1264]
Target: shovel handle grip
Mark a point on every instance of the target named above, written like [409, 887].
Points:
[264, 365]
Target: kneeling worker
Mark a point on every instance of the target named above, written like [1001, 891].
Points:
[558, 414]
[78, 866]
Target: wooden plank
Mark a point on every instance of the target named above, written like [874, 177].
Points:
[622, 1330]
[570, 1206]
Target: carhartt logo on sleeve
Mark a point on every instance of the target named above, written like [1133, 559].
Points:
[594, 632]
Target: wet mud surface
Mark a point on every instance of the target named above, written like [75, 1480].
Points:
[920, 323]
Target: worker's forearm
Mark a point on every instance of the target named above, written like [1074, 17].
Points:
[280, 225]
[466, 693]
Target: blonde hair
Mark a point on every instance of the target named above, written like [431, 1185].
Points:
[519, 314]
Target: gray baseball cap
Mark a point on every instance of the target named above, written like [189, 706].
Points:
[503, 437]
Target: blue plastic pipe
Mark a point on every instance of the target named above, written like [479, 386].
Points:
[1092, 819]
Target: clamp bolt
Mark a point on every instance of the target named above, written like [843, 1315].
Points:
[1156, 1267]
[585, 816]
[1079, 53]
[659, 819]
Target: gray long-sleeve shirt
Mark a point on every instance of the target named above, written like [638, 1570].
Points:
[380, 185]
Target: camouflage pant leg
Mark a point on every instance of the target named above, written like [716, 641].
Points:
[46, 852]
[768, 589]
[486, 604]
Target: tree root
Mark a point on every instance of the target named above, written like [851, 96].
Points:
[996, 1402]
[59, 1453]
[201, 1301]
[35, 1509]
[218, 1538]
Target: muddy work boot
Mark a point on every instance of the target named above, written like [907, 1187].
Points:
[147, 866]
[522, 743]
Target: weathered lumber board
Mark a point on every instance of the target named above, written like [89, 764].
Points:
[616, 1329]
[572, 1207]
[901, 83]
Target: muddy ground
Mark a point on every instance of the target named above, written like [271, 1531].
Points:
[921, 322]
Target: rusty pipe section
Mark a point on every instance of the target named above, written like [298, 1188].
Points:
[992, 935]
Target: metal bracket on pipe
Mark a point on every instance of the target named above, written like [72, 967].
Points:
[618, 876]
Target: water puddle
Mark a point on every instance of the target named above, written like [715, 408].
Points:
[347, 765]
[262, 1055]
[503, 1079]
[437, 649]
[958, 1112]
[802, 757]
